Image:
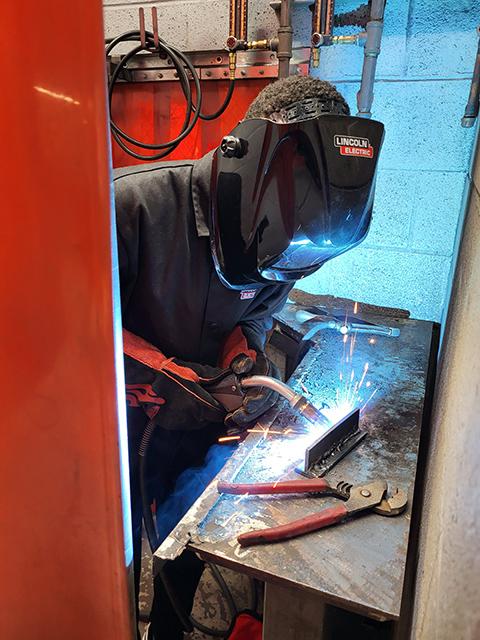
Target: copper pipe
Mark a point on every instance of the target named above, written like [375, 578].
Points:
[317, 17]
[330, 10]
[232, 19]
[243, 26]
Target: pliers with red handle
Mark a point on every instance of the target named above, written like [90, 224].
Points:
[372, 496]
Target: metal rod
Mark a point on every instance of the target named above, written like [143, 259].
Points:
[156, 41]
[141, 20]
[372, 51]
[473, 104]
[285, 34]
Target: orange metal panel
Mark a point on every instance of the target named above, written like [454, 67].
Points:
[62, 558]
[154, 112]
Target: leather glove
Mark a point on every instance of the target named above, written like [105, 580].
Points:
[245, 362]
[170, 391]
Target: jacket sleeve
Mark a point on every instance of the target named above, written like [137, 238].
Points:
[249, 336]
[128, 209]
[259, 319]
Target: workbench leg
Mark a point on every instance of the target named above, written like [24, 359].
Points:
[292, 614]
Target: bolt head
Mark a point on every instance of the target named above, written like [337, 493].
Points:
[365, 493]
[232, 147]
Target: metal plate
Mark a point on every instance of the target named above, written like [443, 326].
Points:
[359, 565]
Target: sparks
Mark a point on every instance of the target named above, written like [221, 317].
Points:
[370, 398]
[365, 370]
[228, 438]
[271, 432]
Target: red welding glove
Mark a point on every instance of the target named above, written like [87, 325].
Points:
[170, 391]
[245, 361]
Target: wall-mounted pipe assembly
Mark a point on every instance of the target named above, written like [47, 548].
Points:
[238, 33]
[369, 16]
[372, 51]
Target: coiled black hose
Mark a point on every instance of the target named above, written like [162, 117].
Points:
[183, 68]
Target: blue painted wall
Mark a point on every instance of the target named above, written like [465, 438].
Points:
[422, 86]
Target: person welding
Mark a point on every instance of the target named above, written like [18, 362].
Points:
[208, 252]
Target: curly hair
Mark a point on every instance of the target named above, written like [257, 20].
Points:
[283, 93]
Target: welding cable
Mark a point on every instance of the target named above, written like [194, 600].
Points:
[183, 68]
[181, 63]
[253, 597]
[187, 621]
[148, 519]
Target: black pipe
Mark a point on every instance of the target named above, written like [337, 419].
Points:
[473, 104]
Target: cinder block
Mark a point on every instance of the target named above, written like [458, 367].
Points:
[173, 21]
[438, 201]
[413, 281]
[392, 210]
[188, 24]
[422, 123]
[441, 38]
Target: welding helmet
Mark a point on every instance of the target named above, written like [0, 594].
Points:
[287, 197]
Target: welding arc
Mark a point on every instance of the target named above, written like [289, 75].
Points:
[183, 68]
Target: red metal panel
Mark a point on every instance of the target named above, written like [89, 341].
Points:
[154, 112]
[62, 561]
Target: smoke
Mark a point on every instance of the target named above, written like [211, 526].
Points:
[189, 486]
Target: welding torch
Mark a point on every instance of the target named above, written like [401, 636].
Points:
[343, 327]
[229, 392]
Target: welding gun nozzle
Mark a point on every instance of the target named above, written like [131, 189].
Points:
[307, 410]
[297, 402]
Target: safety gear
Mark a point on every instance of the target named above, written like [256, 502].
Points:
[171, 392]
[288, 197]
[245, 358]
[172, 297]
[171, 294]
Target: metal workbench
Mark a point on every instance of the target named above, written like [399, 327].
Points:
[359, 565]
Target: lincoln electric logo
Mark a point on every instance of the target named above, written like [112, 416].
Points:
[349, 146]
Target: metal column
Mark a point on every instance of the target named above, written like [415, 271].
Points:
[63, 553]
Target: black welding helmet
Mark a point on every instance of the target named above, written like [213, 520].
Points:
[285, 198]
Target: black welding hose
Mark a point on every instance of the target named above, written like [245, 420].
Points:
[189, 122]
[187, 621]
[148, 519]
[183, 67]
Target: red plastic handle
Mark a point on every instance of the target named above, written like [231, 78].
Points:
[314, 485]
[296, 528]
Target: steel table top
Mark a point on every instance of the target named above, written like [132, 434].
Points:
[360, 564]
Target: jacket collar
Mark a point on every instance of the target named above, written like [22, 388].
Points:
[201, 174]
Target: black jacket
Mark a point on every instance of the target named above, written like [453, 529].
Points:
[171, 294]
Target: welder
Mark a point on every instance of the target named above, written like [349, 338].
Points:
[208, 251]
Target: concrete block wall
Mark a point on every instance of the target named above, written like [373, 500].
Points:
[422, 86]
[448, 574]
